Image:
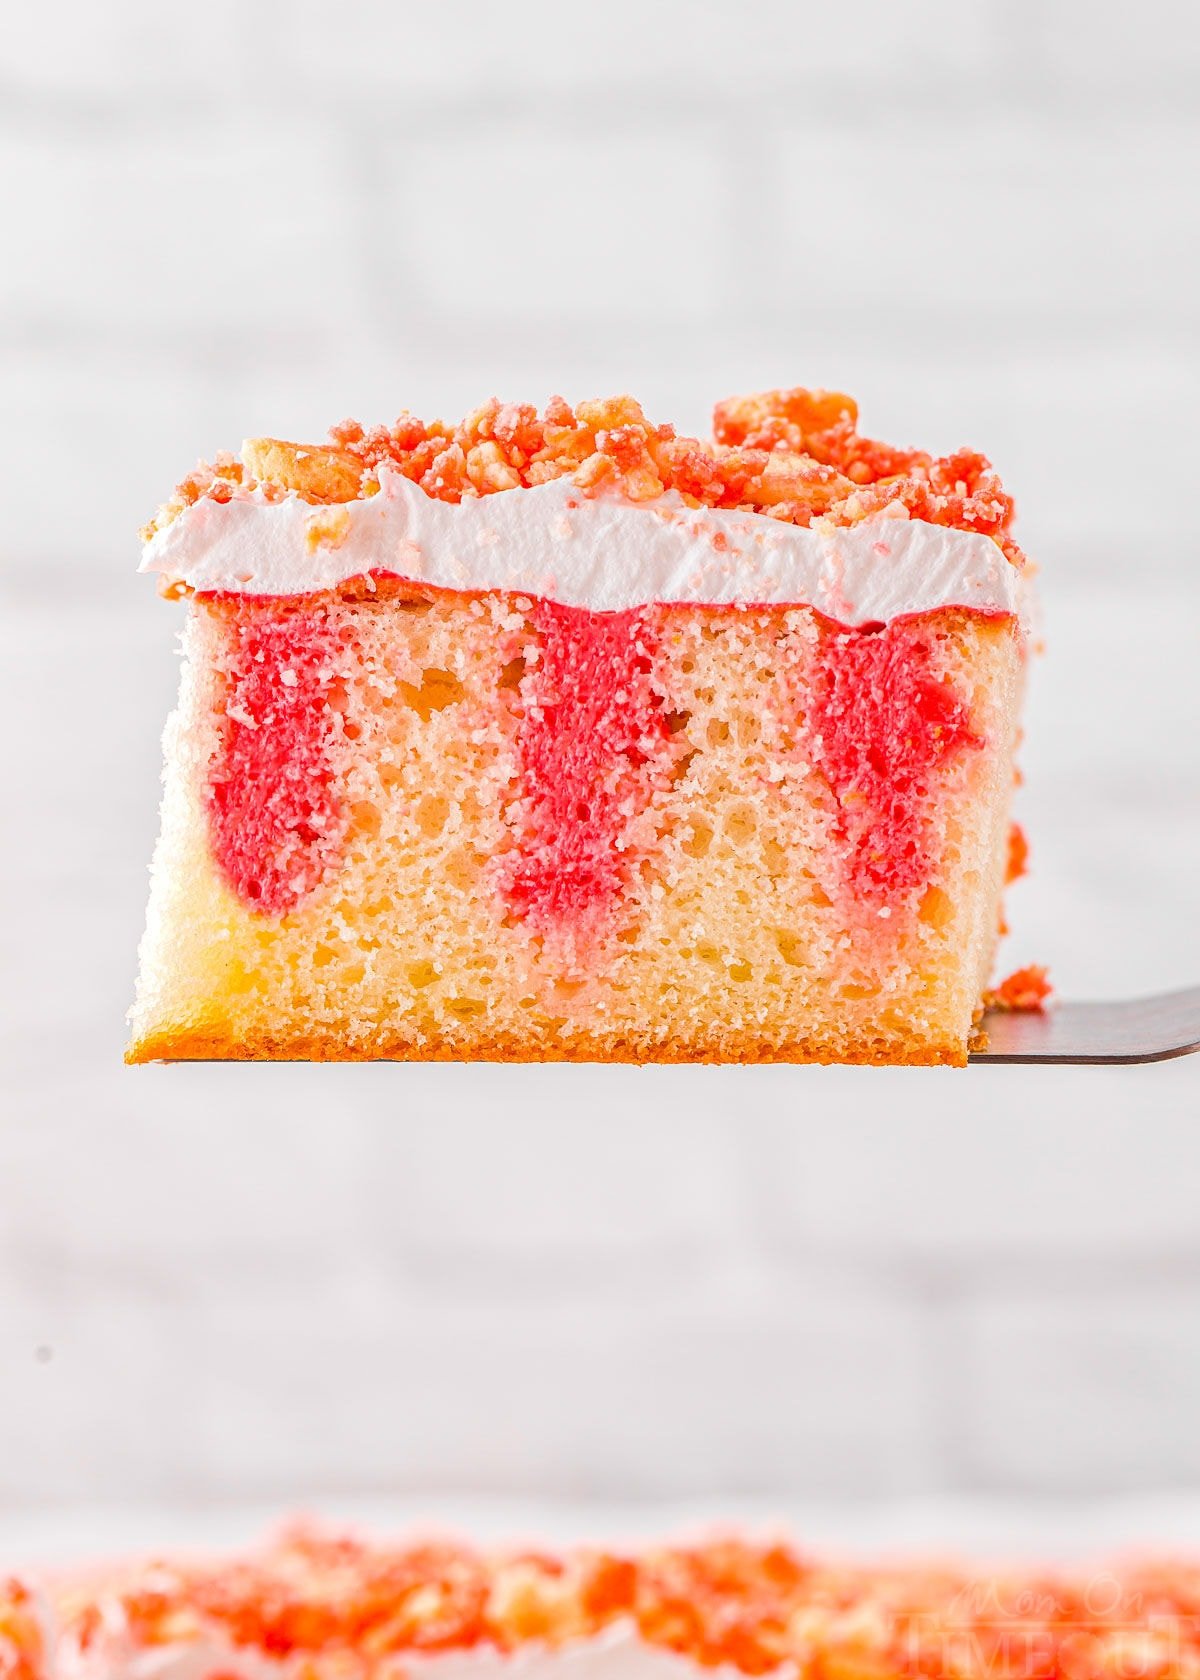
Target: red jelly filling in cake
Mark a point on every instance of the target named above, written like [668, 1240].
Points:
[273, 804]
[880, 725]
[592, 743]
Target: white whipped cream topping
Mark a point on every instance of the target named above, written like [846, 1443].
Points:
[601, 553]
[616, 1654]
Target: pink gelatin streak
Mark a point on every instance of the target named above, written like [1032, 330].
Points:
[592, 742]
[881, 724]
[276, 820]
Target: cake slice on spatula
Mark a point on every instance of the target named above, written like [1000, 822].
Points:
[559, 736]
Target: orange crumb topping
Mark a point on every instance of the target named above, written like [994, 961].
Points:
[22, 1646]
[349, 1610]
[1018, 855]
[795, 455]
[1025, 989]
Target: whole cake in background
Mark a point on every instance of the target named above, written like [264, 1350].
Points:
[327, 1607]
[559, 736]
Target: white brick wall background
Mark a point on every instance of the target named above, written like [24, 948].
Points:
[666, 1289]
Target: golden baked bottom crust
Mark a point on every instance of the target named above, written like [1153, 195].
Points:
[189, 1045]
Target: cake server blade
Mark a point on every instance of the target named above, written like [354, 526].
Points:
[1127, 1030]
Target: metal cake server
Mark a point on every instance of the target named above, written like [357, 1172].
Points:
[1152, 1029]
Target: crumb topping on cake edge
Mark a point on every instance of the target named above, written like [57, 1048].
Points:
[793, 455]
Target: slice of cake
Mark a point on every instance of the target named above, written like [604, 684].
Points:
[317, 1608]
[558, 736]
